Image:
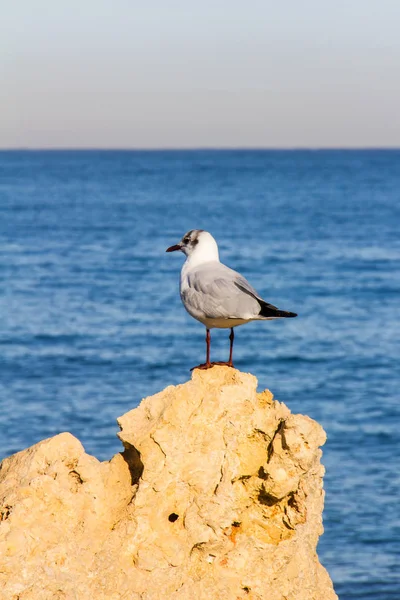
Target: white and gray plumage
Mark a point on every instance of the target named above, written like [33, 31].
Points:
[216, 295]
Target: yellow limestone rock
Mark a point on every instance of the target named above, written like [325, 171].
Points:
[218, 495]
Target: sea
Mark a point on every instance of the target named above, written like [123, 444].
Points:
[91, 319]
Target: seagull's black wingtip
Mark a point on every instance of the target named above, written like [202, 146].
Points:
[285, 313]
[269, 311]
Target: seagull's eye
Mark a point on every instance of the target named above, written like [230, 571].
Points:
[186, 240]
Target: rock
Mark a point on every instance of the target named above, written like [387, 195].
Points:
[218, 494]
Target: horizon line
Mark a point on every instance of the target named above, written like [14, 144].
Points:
[190, 148]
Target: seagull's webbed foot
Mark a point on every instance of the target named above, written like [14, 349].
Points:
[224, 364]
[203, 366]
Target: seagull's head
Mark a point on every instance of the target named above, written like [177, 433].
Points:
[197, 242]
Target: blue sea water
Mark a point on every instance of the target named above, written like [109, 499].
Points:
[91, 319]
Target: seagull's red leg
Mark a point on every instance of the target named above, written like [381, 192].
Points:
[229, 363]
[208, 344]
[207, 364]
[231, 338]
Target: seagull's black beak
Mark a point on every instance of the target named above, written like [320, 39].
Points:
[174, 248]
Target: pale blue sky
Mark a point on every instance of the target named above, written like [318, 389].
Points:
[123, 73]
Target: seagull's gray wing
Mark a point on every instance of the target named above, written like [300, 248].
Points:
[217, 291]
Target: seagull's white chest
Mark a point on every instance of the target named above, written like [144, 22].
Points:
[187, 296]
[184, 283]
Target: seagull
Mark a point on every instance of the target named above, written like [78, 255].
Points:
[216, 295]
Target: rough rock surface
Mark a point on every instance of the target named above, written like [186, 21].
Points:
[218, 495]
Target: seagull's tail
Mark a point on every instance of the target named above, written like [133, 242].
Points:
[268, 311]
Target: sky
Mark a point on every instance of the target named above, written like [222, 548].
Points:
[209, 73]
